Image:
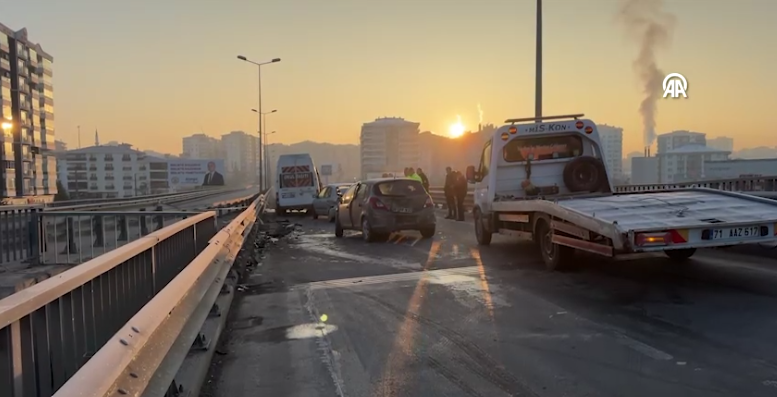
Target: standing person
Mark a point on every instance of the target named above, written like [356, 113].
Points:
[424, 179]
[450, 198]
[413, 174]
[461, 194]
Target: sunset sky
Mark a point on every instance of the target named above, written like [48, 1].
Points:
[150, 72]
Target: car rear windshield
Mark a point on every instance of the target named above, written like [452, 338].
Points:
[400, 188]
[543, 148]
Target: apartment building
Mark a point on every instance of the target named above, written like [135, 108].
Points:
[389, 144]
[201, 146]
[109, 172]
[241, 154]
[612, 148]
[676, 139]
[27, 167]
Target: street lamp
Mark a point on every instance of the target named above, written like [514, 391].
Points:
[263, 145]
[259, 73]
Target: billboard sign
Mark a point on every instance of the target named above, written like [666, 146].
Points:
[191, 173]
[326, 169]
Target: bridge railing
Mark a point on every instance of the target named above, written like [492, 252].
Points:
[746, 185]
[51, 330]
[26, 230]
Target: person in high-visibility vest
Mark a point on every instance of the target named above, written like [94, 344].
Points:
[413, 175]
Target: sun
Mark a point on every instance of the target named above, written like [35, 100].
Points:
[456, 129]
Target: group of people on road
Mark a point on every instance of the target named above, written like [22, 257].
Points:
[455, 193]
[417, 174]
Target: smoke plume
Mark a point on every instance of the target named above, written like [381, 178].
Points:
[480, 114]
[651, 27]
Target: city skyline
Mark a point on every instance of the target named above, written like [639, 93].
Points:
[435, 89]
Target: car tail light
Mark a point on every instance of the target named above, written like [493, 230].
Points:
[375, 203]
[429, 203]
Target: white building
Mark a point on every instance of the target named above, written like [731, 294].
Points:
[389, 144]
[201, 146]
[241, 155]
[686, 163]
[612, 146]
[676, 139]
[721, 143]
[739, 168]
[105, 172]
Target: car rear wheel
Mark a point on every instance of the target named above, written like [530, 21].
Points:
[280, 211]
[338, 228]
[313, 213]
[367, 234]
[428, 232]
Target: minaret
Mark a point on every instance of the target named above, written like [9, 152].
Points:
[96, 138]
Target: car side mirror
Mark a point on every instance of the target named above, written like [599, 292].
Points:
[471, 174]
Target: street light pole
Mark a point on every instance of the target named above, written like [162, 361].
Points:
[267, 157]
[538, 66]
[259, 74]
[263, 146]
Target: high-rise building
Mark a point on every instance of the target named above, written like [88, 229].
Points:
[241, 155]
[389, 145]
[201, 146]
[27, 166]
[612, 148]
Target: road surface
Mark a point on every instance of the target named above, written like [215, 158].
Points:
[444, 317]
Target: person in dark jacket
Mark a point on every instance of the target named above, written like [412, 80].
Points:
[460, 190]
[424, 178]
[450, 198]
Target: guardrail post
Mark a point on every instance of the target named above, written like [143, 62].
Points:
[159, 219]
[35, 232]
[70, 245]
[143, 225]
[123, 229]
[97, 225]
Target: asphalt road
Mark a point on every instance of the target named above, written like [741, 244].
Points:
[444, 317]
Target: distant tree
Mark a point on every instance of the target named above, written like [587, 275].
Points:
[61, 193]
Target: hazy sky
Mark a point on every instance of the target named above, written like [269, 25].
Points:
[150, 72]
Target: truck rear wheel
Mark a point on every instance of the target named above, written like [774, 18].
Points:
[681, 254]
[482, 234]
[556, 257]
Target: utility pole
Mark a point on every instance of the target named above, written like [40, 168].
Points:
[538, 66]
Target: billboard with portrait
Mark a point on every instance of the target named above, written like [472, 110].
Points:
[191, 173]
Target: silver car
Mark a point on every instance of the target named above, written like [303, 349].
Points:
[326, 201]
[379, 207]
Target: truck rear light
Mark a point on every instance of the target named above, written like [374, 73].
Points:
[652, 239]
[429, 203]
[375, 203]
[659, 238]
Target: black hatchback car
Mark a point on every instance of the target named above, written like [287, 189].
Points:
[379, 207]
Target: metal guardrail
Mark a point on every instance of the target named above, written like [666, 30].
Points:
[37, 233]
[109, 326]
[761, 186]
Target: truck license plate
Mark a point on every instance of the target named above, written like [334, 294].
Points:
[288, 195]
[736, 232]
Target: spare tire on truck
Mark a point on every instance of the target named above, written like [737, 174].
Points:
[585, 174]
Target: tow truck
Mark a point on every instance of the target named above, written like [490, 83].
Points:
[545, 179]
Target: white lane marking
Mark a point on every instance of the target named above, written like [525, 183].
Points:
[361, 258]
[437, 276]
[643, 348]
[329, 356]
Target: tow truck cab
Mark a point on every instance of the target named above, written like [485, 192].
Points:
[529, 158]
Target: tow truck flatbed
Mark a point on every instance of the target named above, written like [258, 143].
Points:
[689, 212]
